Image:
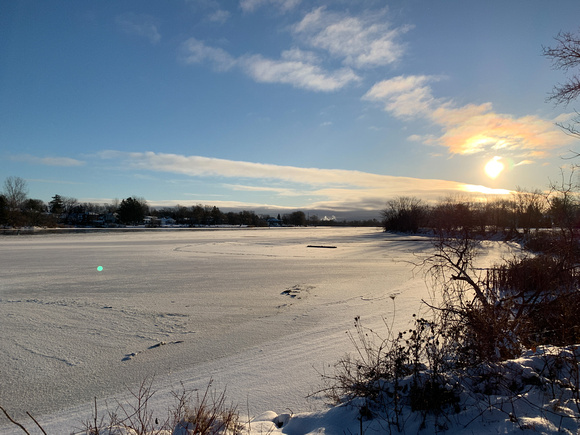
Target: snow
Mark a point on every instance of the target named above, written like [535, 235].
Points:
[262, 312]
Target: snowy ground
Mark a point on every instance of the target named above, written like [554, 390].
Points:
[260, 311]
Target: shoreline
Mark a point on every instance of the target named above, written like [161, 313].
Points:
[38, 230]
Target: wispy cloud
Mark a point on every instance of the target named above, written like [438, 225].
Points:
[203, 200]
[283, 5]
[327, 188]
[212, 167]
[360, 41]
[404, 96]
[322, 38]
[49, 181]
[295, 67]
[465, 129]
[298, 73]
[524, 162]
[219, 16]
[139, 25]
[47, 161]
[196, 51]
[282, 191]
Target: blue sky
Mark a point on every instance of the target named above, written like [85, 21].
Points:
[288, 104]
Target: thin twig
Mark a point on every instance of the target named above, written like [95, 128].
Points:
[38, 424]
[14, 421]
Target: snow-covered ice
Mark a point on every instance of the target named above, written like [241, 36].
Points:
[260, 311]
[256, 309]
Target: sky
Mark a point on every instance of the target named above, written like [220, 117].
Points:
[281, 104]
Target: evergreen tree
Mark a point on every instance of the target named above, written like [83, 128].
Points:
[132, 211]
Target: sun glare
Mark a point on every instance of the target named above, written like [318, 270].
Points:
[494, 167]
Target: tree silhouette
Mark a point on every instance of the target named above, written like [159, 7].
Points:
[132, 211]
[566, 56]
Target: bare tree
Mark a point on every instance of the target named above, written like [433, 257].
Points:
[15, 191]
[404, 214]
[566, 56]
[530, 207]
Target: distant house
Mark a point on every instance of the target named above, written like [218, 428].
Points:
[165, 221]
[152, 221]
[273, 222]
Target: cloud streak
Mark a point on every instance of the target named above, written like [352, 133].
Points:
[140, 25]
[283, 5]
[335, 189]
[47, 161]
[194, 51]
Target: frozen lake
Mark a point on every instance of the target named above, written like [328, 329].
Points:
[258, 310]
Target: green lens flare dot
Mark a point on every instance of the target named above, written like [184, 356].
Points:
[100, 268]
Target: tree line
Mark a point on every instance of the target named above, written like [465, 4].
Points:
[521, 212]
[17, 210]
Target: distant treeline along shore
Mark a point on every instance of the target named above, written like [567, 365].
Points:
[17, 211]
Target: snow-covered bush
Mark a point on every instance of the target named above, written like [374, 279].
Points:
[489, 345]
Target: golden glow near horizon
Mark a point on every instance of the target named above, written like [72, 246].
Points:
[471, 188]
[494, 167]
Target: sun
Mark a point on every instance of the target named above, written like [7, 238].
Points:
[494, 167]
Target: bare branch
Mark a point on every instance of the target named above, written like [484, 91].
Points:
[36, 422]
[565, 55]
[13, 421]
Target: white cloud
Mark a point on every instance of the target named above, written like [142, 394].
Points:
[47, 161]
[219, 16]
[297, 73]
[195, 51]
[139, 25]
[356, 41]
[404, 96]
[363, 41]
[296, 67]
[283, 5]
[282, 191]
[297, 55]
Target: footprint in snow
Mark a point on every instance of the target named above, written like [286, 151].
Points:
[132, 355]
[296, 292]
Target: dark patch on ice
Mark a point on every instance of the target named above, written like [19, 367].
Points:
[163, 343]
[132, 355]
[129, 356]
[282, 420]
[298, 291]
[321, 246]
[293, 292]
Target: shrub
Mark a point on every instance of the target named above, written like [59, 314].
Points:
[481, 321]
[207, 415]
[407, 369]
